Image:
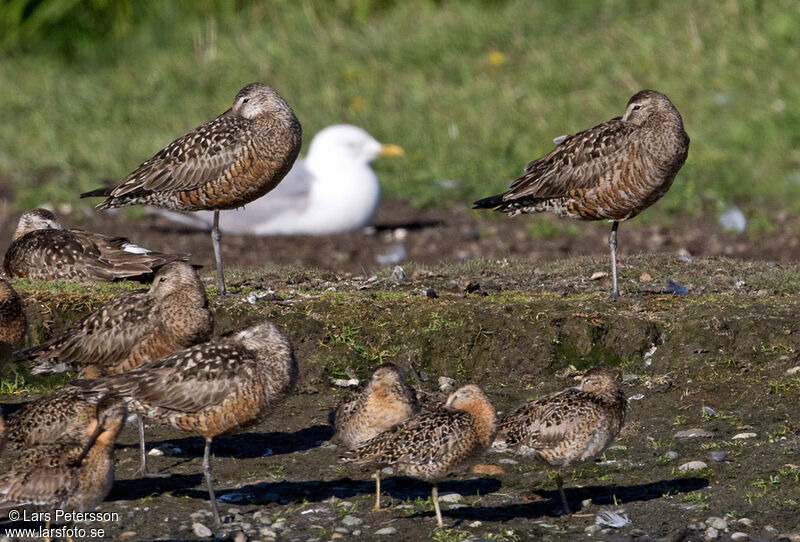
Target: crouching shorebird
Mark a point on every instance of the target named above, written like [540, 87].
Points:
[72, 473]
[572, 425]
[385, 401]
[612, 172]
[42, 249]
[435, 443]
[220, 387]
[223, 164]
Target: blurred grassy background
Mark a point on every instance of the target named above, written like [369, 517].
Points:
[472, 90]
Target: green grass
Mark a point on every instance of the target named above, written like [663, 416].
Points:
[471, 90]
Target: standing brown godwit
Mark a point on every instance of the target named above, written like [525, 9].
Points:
[42, 249]
[12, 319]
[435, 443]
[67, 474]
[571, 425]
[612, 172]
[220, 387]
[131, 330]
[225, 163]
[384, 402]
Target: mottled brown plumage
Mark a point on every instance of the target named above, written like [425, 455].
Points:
[67, 474]
[61, 414]
[133, 329]
[435, 443]
[572, 425]
[223, 164]
[42, 249]
[223, 386]
[385, 401]
[13, 323]
[610, 172]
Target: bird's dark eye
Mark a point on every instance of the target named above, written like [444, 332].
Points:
[245, 100]
[163, 279]
[636, 107]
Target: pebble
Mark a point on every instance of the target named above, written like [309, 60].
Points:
[343, 530]
[352, 521]
[508, 461]
[747, 522]
[711, 534]
[446, 384]
[279, 524]
[201, 530]
[399, 274]
[694, 433]
[591, 529]
[693, 465]
[475, 524]
[345, 504]
[386, 531]
[719, 524]
[739, 535]
[720, 456]
[793, 371]
[739, 436]
[586, 503]
[450, 497]
[671, 455]
[239, 536]
[387, 471]
[357, 532]
[266, 532]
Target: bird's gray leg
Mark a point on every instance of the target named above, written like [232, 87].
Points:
[215, 238]
[142, 455]
[435, 499]
[612, 244]
[560, 483]
[207, 474]
[377, 489]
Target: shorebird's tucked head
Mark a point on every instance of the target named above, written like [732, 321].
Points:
[258, 99]
[646, 104]
[179, 277]
[345, 142]
[38, 219]
[602, 384]
[472, 399]
[385, 376]
[264, 339]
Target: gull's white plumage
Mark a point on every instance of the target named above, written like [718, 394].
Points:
[332, 190]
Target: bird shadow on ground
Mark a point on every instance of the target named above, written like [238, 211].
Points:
[247, 445]
[414, 225]
[138, 488]
[550, 505]
[398, 487]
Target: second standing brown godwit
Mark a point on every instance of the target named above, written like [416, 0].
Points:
[612, 172]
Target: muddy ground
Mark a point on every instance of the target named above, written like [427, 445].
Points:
[434, 235]
[732, 344]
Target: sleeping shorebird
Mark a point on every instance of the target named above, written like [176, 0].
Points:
[13, 323]
[223, 386]
[612, 172]
[131, 330]
[67, 474]
[385, 401]
[433, 444]
[571, 425]
[331, 190]
[224, 164]
[42, 249]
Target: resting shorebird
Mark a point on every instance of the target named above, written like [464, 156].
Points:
[384, 402]
[331, 190]
[612, 172]
[225, 163]
[435, 443]
[12, 319]
[42, 249]
[67, 474]
[131, 330]
[220, 387]
[572, 425]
